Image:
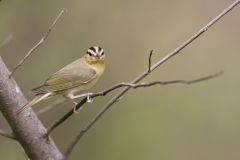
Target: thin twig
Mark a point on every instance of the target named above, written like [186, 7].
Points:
[43, 39]
[65, 117]
[7, 135]
[150, 61]
[131, 85]
[143, 75]
[6, 40]
[50, 106]
[141, 85]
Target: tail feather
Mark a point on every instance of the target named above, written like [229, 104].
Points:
[35, 100]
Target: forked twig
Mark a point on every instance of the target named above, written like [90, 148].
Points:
[31, 51]
[143, 75]
[131, 85]
[141, 85]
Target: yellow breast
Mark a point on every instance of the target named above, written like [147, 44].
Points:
[98, 66]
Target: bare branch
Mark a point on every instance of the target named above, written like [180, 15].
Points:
[131, 85]
[6, 40]
[7, 135]
[65, 117]
[141, 85]
[143, 75]
[31, 51]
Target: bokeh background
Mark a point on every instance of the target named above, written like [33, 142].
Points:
[176, 122]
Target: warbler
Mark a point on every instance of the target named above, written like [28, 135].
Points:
[72, 80]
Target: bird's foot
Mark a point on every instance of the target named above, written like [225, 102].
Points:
[89, 98]
[75, 110]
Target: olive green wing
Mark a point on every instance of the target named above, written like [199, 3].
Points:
[73, 75]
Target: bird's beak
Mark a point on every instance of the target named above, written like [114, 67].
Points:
[98, 57]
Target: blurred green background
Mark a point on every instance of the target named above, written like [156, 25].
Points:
[176, 122]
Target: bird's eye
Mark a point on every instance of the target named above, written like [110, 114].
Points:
[90, 54]
[102, 53]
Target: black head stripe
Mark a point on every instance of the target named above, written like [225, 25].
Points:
[91, 51]
[95, 51]
[101, 52]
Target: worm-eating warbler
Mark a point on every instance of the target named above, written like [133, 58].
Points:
[72, 79]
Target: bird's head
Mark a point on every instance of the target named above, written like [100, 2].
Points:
[94, 54]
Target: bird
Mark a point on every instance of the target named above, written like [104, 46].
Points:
[72, 80]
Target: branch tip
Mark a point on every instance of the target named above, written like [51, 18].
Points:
[34, 48]
[150, 61]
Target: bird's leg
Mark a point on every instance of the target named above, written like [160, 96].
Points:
[88, 95]
[75, 107]
[74, 104]
[89, 99]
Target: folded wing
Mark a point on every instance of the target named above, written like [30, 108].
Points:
[75, 74]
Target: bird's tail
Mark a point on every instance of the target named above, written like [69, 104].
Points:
[35, 100]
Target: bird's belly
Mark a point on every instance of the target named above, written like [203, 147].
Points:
[80, 89]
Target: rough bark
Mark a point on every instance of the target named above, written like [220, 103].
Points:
[27, 128]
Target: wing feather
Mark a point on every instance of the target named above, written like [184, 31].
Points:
[75, 74]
